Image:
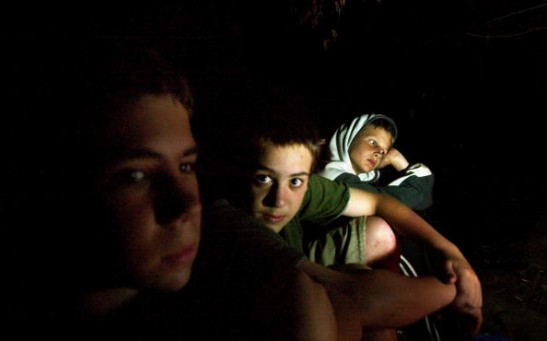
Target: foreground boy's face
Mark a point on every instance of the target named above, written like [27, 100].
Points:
[369, 148]
[279, 184]
[150, 193]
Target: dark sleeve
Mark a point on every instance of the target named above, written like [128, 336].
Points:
[242, 281]
[325, 200]
[230, 237]
[413, 191]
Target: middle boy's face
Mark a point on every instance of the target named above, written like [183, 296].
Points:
[279, 184]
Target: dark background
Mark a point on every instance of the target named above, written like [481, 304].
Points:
[466, 81]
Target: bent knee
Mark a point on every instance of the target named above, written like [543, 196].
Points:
[382, 248]
[380, 235]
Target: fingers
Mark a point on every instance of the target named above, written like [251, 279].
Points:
[468, 303]
[476, 323]
[467, 306]
[462, 325]
[470, 323]
[469, 289]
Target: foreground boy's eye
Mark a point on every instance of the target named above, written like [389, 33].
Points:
[262, 179]
[127, 177]
[136, 176]
[188, 167]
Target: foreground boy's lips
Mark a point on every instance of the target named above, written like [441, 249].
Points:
[184, 256]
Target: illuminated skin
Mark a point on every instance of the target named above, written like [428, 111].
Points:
[279, 184]
[150, 193]
[369, 148]
[278, 188]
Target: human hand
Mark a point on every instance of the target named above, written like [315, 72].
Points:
[394, 158]
[467, 306]
[461, 326]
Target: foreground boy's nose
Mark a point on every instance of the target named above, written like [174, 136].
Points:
[176, 198]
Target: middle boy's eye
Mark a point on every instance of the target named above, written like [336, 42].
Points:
[262, 179]
[297, 182]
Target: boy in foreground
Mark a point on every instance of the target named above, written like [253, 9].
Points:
[102, 231]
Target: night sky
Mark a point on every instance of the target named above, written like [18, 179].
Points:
[465, 81]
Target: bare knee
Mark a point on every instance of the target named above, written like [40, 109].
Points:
[382, 249]
[380, 238]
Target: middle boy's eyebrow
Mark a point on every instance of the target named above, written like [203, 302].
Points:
[264, 168]
[301, 174]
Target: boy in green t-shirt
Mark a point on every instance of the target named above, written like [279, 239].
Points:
[283, 194]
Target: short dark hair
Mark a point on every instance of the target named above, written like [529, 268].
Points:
[386, 124]
[285, 131]
[63, 94]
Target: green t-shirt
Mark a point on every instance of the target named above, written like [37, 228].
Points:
[324, 201]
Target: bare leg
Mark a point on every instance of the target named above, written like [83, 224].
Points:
[380, 335]
[314, 311]
[382, 249]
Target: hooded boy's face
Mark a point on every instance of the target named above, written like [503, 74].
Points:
[369, 147]
[279, 183]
